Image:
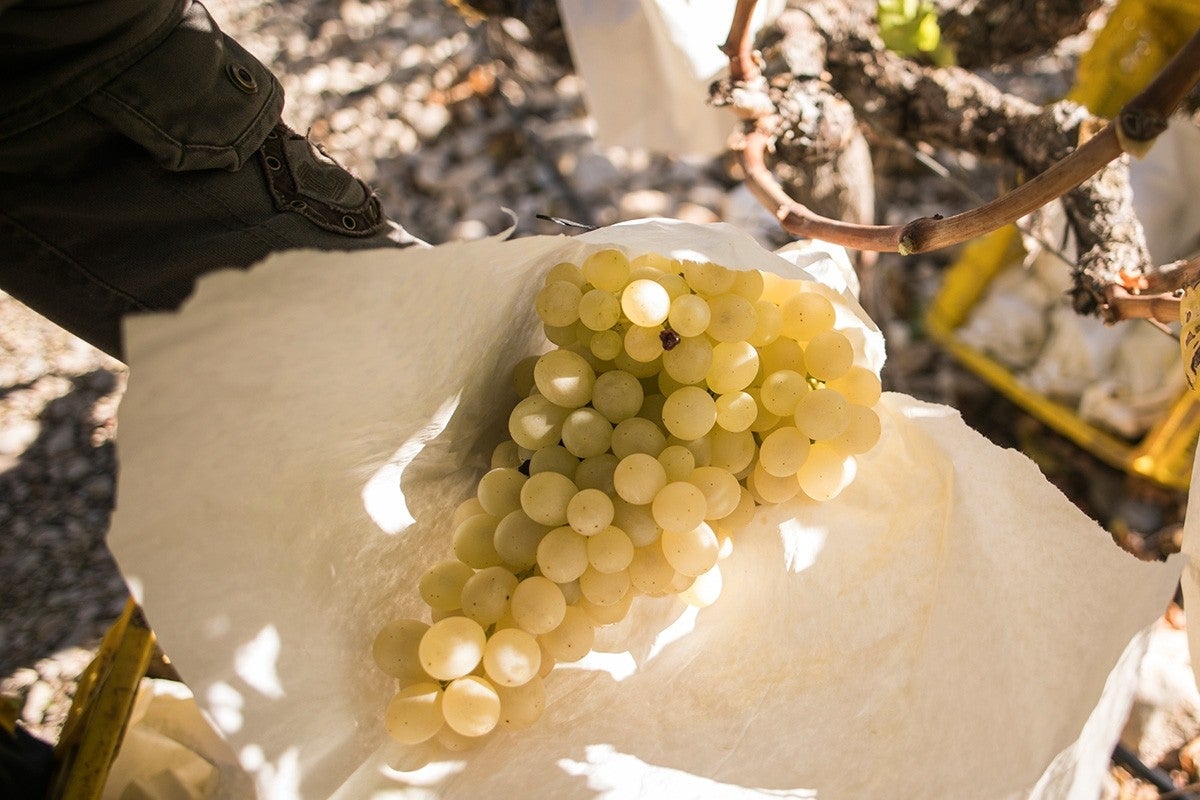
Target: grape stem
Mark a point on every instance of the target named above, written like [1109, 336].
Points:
[1163, 307]
[1137, 125]
[1154, 297]
[738, 46]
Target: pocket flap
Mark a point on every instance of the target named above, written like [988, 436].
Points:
[197, 101]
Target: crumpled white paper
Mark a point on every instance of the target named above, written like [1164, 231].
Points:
[1011, 323]
[1078, 351]
[654, 94]
[169, 751]
[293, 443]
[1121, 378]
[1143, 381]
[1164, 184]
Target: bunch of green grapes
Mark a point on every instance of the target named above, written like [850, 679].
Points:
[680, 396]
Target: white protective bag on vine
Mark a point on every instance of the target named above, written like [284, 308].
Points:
[293, 443]
[655, 96]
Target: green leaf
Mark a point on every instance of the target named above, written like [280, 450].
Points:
[928, 35]
[910, 28]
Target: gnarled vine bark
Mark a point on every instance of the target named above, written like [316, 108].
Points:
[824, 74]
[951, 107]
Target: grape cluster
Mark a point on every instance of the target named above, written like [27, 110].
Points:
[680, 396]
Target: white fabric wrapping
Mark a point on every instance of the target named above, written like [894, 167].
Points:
[293, 443]
[1163, 186]
[653, 94]
[170, 752]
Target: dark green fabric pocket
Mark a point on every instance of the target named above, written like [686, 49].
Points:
[197, 101]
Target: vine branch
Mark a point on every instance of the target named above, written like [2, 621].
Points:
[739, 46]
[1138, 124]
[930, 233]
[1155, 297]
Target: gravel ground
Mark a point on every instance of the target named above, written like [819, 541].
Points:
[452, 123]
[58, 402]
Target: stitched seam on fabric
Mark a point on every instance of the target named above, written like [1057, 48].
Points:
[254, 122]
[153, 126]
[282, 185]
[259, 230]
[82, 271]
[271, 240]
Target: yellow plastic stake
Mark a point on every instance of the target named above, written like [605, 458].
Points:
[100, 712]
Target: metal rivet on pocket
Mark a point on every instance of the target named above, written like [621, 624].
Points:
[242, 78]
[349, 223]
[299, 205]
[273, 162]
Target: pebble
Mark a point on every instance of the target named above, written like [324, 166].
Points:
[427, 119]
[700, 215]
[566, 131]
[595, 175]
[18, 435]
[708, 195]
[743, 210]
[468, 229]
[461, 180]
[488, 212]
[645, 203]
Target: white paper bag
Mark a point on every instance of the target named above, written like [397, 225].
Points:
[654, 93]
[293, 443]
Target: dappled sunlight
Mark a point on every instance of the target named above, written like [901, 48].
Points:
[280, 779]
[649, 635]
[611, 773]
[255, 663]
[216, 626]
[432, 774]
[224, 705]
[619, 666]
[382, 495]
[802, 549]
[678, 629]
